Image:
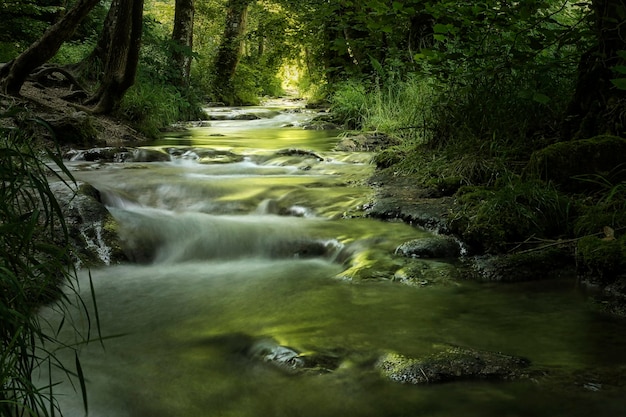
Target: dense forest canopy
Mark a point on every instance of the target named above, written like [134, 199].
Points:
[560, 63]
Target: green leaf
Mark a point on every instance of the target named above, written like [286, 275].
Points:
[621, 54]
[541, 98]
[440, 28]
[620, 83]
[439, 37]
[620, 69]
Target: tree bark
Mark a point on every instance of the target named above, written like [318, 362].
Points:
[182, 36]
[229, 51]
[92, 66]
[122, 57]
[14, 74]
[598, 106]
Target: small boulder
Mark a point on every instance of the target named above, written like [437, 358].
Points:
[430, 247]
[574, 165]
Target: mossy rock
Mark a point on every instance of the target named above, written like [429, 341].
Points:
[452, 364]
[601, 260]
[540, 264]
[575, 165]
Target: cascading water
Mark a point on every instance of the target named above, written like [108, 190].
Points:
[248, 240]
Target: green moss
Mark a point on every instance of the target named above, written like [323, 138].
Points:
[602, 259]
[576, 165]
[489, 218]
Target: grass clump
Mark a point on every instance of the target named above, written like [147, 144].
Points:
[34, 262]
[150, 107]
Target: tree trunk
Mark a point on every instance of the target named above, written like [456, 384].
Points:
[182, 35]
[92, 66]
[13, 75]
[229, 51]
[598, 106]
[122, 57]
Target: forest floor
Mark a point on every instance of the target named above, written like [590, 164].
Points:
[49, 103]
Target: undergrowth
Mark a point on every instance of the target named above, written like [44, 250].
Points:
[34, 263]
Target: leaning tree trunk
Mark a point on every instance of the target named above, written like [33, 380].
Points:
[122, 58]
[91, 66]
[14, 74]
[599, 106]
[182, 36]
[229, 51]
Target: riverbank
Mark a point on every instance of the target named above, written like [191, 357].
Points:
[52, 118]
[444, 211]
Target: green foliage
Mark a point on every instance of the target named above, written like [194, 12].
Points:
[150, 106]
[34, 262]
[153, 102]
[24, 21]
[349, 103]
[606, 207]
[401, 108]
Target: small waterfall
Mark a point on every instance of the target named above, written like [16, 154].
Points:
[161, 236]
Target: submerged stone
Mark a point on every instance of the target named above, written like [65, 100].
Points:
[290, 360]
[452, 364]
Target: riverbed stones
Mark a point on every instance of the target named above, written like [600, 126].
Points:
[451, 364]
[366, 142]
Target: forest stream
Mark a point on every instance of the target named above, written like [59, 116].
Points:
[247, 297]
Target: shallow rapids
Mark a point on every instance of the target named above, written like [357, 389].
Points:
[253, 231]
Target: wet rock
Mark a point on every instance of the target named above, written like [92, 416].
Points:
[117, 155]
[540, 264]
[107, 154]
[398, 199]
[323, 122]
[290, 360]
[91, 228]
[210, 156]
[148, 155]
[299, 152]
[305, 248]
[419, 273]
[451, 364]
[367, 142]
[430, 247]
